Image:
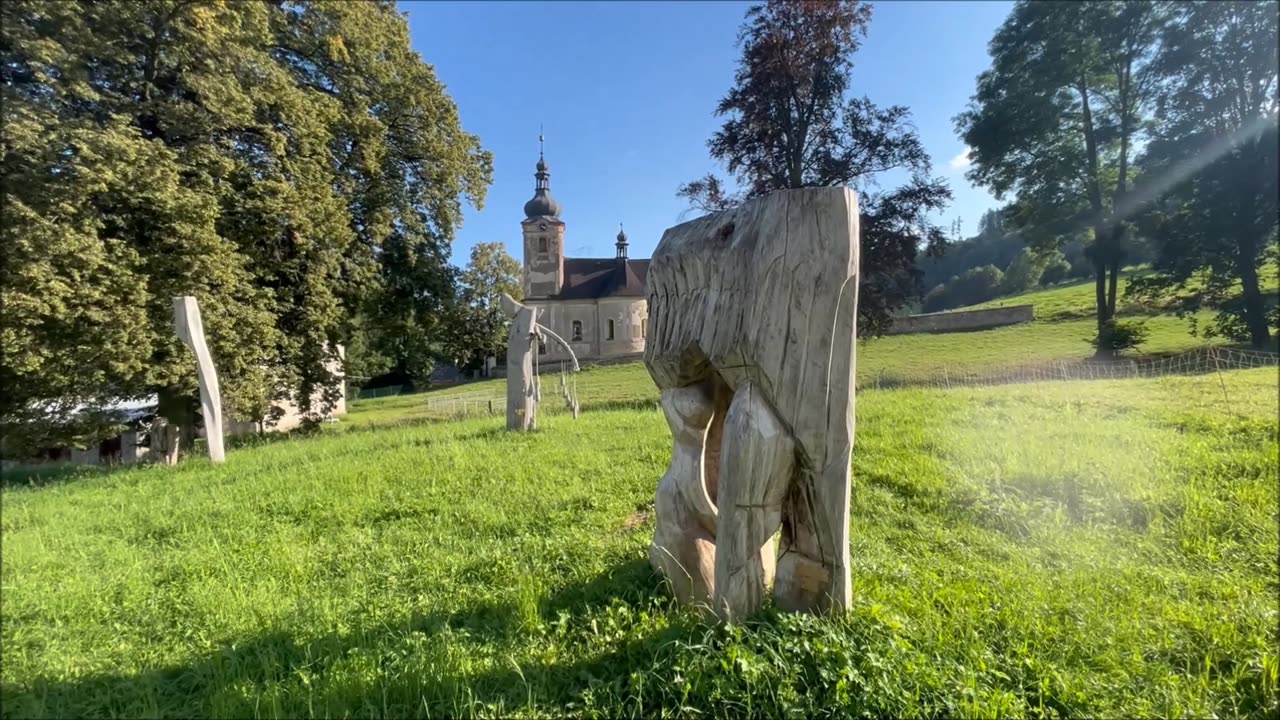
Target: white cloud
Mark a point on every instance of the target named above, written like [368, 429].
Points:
[963, 160]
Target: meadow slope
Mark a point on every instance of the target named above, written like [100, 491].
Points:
[1103, 549]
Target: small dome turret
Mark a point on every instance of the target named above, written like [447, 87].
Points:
[621, 244]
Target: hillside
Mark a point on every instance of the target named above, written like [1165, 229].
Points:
[1076, 300]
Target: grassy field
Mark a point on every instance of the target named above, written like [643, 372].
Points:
[1064, 323]
[909, 358]
[1104, 549]
[1076, 301]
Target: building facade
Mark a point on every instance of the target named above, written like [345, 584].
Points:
[596, 304]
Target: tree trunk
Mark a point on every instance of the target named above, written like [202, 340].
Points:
[1100, 227]
[1254, 310]
[1113, 281]
[1100, 302]
[179, 415]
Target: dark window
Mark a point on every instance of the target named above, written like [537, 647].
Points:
[542, 348]
[610, 331]
[577, 331]
[542, 244]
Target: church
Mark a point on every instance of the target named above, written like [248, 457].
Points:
[597, 305]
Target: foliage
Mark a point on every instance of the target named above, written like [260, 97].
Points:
[1012, 546]
[273, 159]
[1056, 118]
[1024, 272]
[789, 125]
[1212, 166]
[363, 358]
[478, 327]
[971, 287]
[1118, 335]
[1056, 269]
[991, 246]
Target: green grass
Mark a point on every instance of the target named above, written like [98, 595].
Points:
[1076, 300]
[918, 358]
[1064, 323]
[1102, 549]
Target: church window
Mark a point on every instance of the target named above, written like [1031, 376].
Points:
[542, 348]
[542, 244]
[577, 331]
[610, 331]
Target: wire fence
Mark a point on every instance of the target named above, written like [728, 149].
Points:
[1194, 362]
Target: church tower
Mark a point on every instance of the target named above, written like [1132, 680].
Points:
[543, 237]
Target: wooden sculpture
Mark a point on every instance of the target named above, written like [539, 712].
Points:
[186, 315]
[523, 389]
[753, 313]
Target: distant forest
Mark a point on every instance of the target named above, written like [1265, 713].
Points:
[1000, 261]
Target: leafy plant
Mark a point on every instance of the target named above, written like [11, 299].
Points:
[1116, 336]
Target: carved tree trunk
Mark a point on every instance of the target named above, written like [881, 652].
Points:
[186, 314]
[164, 441]
[753, 317]
[522, 382]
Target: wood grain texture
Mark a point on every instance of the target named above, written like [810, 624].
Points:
[765, 296]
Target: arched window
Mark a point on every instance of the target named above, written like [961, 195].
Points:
[577, 331]
[542, 244]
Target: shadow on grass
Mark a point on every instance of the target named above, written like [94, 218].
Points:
[261, 676]
[53, 474]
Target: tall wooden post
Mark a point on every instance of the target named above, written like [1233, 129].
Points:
[186, 316]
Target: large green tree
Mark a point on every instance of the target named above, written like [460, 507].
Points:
[789, 124]
[278, 160]
[1056, 121]
[1211, 167]
[478, 327]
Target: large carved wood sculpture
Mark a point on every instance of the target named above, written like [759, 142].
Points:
[752, 317]
[522, 383]
[523, 388]
[186, 315]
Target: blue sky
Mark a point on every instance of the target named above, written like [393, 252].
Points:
[625, 91]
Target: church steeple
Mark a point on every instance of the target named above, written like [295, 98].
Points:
[542, 204]
[621, 244]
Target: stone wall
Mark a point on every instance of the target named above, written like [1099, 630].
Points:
[961, 320]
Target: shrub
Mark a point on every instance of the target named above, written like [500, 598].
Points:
[970, 288]
[1056, 271]
[1118, 336]
[1023, 273]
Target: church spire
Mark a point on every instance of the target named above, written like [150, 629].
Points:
[621, 244]
[542, 204]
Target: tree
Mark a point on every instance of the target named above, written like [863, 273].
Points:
[991, 246]
[1024, 272]
[260, 156]
[1056, 269]
[1212, 166]
[973, 286]
[789, 125]
[1056, 118]
[478, 325]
